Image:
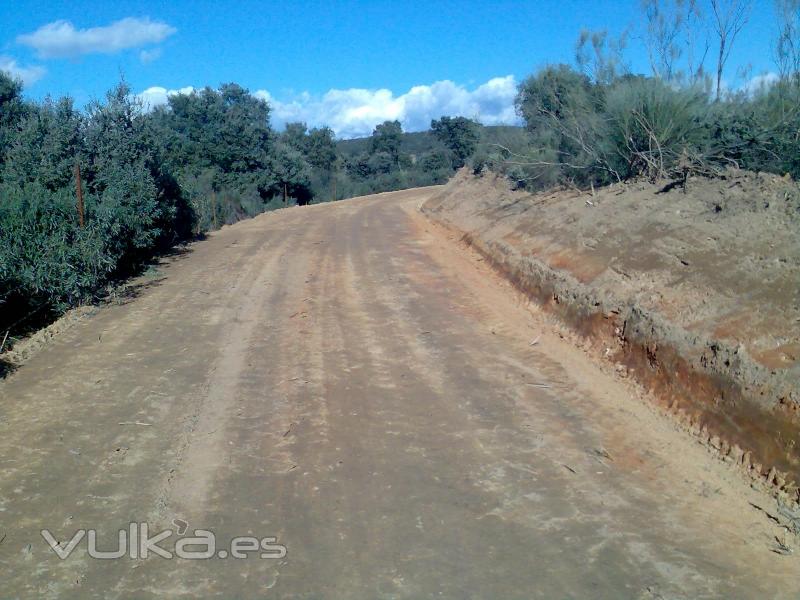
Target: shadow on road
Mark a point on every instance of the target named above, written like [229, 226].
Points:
[6, 368]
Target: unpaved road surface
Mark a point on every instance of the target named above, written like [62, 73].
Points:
[349, 380]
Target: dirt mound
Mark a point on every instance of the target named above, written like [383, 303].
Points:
[696, 291]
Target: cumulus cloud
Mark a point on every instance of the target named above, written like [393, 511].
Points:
[355, 112]
[60, 39]
[156, 96]
[28, 75]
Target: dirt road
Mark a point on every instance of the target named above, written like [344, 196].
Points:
[349, 380]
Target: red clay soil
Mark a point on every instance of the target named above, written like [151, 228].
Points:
[694, 294]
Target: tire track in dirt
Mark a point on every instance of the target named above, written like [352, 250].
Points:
[343, 379]
[84, 380]
[508, 468]
[269, 403]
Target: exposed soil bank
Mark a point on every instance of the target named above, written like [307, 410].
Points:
[694, 294]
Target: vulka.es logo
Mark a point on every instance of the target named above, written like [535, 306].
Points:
[137, 542]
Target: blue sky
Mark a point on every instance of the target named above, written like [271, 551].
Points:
[348, 64]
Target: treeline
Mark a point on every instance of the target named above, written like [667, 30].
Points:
[154, 179]
[597, 123]
[385, 161]
[379, 165]
[585, 132]
[391, 159]
[149, 181]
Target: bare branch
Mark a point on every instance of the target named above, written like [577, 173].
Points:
[730, 17]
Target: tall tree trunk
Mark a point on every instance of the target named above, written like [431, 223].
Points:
[720, 64]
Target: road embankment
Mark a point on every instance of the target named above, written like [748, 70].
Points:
[693, 294]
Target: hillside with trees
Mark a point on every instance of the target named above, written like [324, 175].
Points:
[393, 160]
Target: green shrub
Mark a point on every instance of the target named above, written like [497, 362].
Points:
[765, 131]
[583, 133]
[44, 256]
[563, 112]
[133, 207]
[651, 126]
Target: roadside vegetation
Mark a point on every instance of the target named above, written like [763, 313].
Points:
[152, 179]
[392, 160]
[597, 123]
[148, 181]
[90, 197]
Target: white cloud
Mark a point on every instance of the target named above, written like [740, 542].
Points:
[156, 96]
[60, 39]
[148, 56]
[28, 75]
[355, 112]
[760, 83]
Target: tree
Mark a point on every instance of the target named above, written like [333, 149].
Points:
[358, 167]
[787, 46]
[321, 148]
[381, 163]
[433, 161]
[563, 112]
[599, 56]
[226, 129]
[459, 135]
[729, 18]
[664, 23]
[12, 108]
[386, 137]
[295, 135]
[292, 174]
[120, 179]
[671, 36]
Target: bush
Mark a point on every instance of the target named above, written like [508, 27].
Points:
[651, 127]
[563, 112]
[45, 257]
[434, 161]
[763, 133]
[45, 146]
[133, 207]
[588, 133]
